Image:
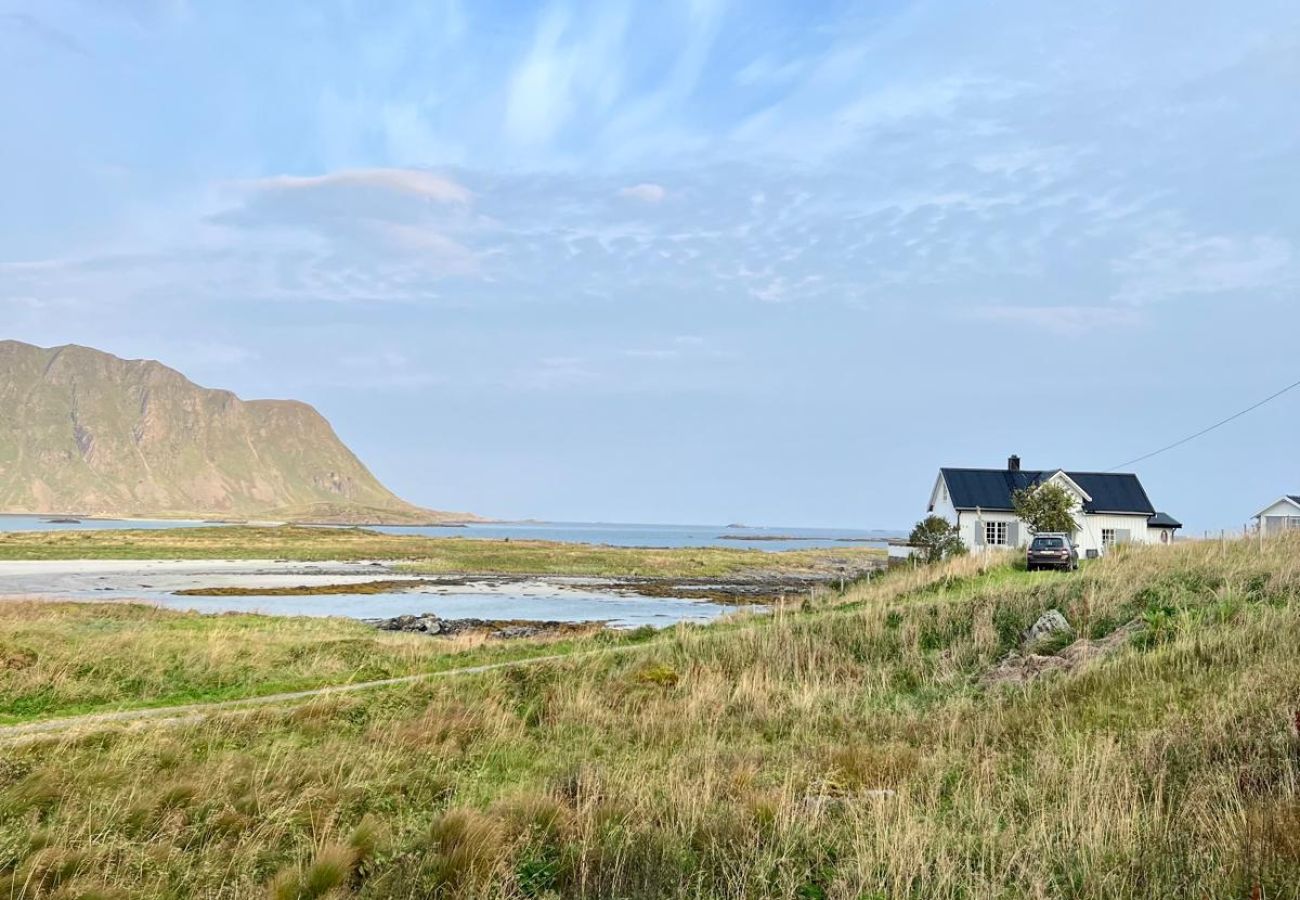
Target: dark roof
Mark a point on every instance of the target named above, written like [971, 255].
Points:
[1111, 492]
[1294, 498]
[1164, 520]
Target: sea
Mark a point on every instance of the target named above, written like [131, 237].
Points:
[601, 533]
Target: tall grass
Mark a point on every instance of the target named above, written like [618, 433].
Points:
[845, 752]
[68, 658]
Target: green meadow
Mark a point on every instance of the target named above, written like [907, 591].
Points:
[849, 748]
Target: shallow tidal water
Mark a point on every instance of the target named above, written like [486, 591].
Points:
[559, 600]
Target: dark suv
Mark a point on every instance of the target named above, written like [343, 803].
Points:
[1052, 551]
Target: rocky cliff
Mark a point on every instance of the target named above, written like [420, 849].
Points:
[84, 432]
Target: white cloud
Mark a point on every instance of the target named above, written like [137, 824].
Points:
[646, 192]
[565, 72]
[447, 254]
[1179, 263]
[653, 353]
[417, 182]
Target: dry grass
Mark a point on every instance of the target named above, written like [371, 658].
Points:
[847, 752]
[68, 658]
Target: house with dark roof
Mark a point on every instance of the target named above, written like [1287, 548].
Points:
[1281, 516]
[1111, 507]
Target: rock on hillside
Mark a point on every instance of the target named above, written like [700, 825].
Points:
[84, 432]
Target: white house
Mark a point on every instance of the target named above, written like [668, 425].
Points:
[1281, 516]
[1111, 508]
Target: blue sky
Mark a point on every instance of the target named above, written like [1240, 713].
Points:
[694, 260]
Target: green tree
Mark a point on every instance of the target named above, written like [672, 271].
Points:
[1046, 507]
[937, 538]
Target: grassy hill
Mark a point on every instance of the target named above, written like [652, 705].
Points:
[87, 433]
[857, 749]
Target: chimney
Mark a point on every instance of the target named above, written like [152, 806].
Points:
[1013, 463]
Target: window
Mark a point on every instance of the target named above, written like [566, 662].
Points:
[995, 534]
[1049, 543]
[1108, 537]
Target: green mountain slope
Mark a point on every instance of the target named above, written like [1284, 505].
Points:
[84, 432]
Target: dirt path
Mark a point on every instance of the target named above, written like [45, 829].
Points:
[196, 712]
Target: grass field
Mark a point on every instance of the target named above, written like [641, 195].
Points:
[427, 555]
[845, 751]
[60, 659]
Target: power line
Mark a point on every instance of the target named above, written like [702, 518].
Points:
[1203, 431]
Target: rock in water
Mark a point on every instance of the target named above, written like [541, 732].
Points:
[1049, 625]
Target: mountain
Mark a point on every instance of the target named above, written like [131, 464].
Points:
[84, 432]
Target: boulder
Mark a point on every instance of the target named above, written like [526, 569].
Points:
[425, 624]
[1020, 669]
[516, 631]
[1049, 625]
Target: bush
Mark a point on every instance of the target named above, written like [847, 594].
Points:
[937, 538]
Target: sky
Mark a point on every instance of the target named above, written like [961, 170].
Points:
[685, 261]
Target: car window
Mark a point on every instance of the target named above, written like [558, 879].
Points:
[1048, 543]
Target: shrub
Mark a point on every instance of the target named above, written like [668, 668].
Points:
[937, 538]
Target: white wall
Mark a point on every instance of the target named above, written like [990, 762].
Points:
[1283, 509]
[969, 520]
[1087, 537]
[941, 502]
[1155, 535]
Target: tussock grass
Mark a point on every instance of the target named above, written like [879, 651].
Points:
[70, 658]
[847, 751]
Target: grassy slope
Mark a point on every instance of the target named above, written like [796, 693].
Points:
[59, 659]
[743, 761]
[429, 555]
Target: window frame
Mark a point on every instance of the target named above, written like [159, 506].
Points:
[997, 534]
[1110, 541]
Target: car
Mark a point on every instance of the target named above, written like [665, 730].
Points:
[1052, 551]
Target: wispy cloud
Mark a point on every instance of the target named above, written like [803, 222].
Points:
[570, 66]
[646, 192]
[414, 182]
[42, 32]
[1180, 263]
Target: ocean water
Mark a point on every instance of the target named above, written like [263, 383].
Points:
[637, 535]
[160, 581]
[509, 601]
[611, 534]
